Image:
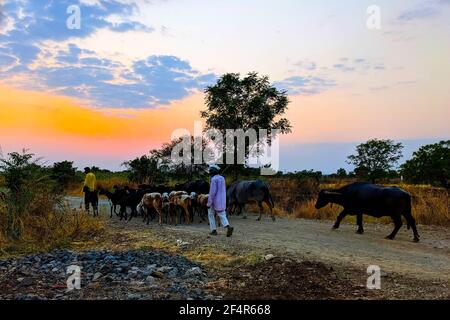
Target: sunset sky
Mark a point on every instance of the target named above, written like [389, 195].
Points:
[135, 71]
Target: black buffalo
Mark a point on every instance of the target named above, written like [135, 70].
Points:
[365, 198]
[243, 192]
[197, 186]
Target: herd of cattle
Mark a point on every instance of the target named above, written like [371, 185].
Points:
[185, 201]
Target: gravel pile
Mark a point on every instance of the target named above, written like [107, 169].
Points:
[133, 274]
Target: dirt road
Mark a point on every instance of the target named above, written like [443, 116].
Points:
[311, 240]
[315, 240]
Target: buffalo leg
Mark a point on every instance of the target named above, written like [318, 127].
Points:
[271, 209]
[397, 225]
[261, 209]
[412, 223]
[339, 219]
[359, 221]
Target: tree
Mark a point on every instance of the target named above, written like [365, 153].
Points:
[144, 170]
[430, 164]
[63, 173]
[375, 158]
[179, 170]
[245, 103]
[341, 173]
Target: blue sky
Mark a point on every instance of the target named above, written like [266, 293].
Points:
[346, 82]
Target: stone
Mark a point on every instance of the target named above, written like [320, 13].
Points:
[97, 276]
[269, 257]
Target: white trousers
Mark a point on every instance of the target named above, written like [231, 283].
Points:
[212, 219]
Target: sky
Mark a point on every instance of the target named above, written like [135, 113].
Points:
[135, 71]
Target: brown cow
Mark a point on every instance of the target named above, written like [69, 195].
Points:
[151, 201]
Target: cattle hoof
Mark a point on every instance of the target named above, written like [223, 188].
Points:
[273, 219]
[389, 238]
[359, 231]
[244, 217]
[334, 227]
[258, 219]
[416, 240]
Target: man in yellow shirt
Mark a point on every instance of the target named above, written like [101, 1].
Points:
[90, 191]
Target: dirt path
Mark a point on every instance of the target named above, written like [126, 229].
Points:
[408, 266]
[428, 259]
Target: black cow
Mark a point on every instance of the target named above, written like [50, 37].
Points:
[197, 186]
[114, 198]
[243, 192]
[360, 198]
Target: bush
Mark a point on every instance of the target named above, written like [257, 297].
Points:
[34, 212]
[63, 173]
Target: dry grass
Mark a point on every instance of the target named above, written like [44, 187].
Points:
[47, 225]
[431, 206]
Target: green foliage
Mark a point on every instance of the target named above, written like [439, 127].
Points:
[430, 165]
[27, 183]
[144, 170]
[182, 170]
[245, 103]
[375, 158]
[63, 173]
[341, 173]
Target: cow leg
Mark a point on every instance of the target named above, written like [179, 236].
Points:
[339, 219]
[187, 215]
[359, 221]
[397, 225]
[261, 209]
[270, 209]
[131, 215]
[160, 214]
[412, 223]
[242, 207]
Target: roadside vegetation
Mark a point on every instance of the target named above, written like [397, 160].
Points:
[33, 215]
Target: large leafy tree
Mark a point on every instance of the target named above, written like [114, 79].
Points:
[376, 158]
[430, 164]
[250, 102]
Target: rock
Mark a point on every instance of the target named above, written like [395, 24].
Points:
[172, 273]
[164, 269]
[150, 280]
[134, 296]
[158, 274]
[193, 272]
[26, 282]
[181, 243]
[97, 276]
[269, 257]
